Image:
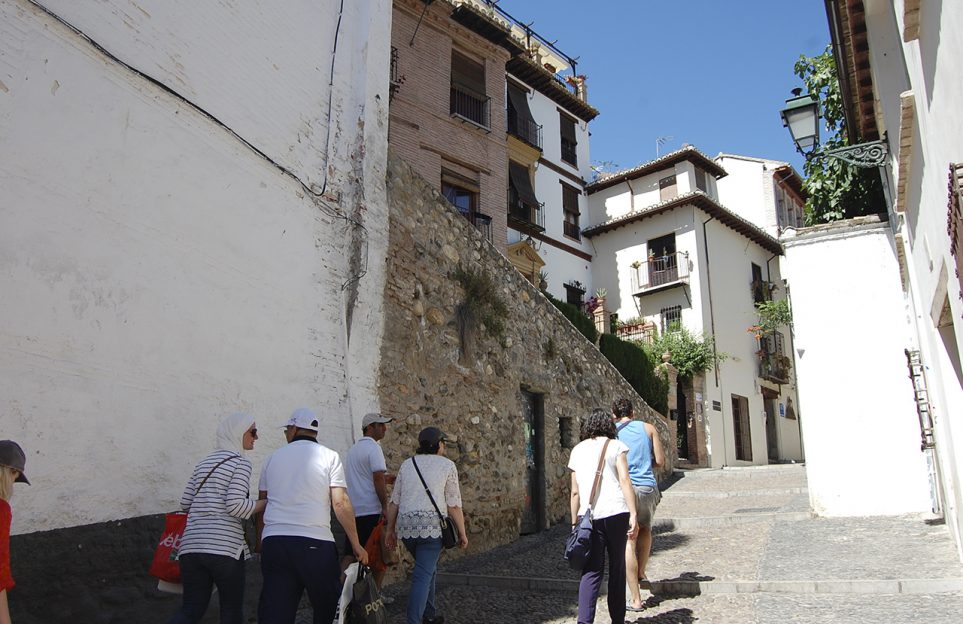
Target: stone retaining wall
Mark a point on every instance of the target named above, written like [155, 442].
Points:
[472, 388]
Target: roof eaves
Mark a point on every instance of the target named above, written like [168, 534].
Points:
[686, 153]
[704, 203]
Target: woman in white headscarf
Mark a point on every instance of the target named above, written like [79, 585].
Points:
[217, 500]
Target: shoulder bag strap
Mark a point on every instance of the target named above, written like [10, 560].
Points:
[427, 491]
[218, 465]
[598, 473]
[623, 426]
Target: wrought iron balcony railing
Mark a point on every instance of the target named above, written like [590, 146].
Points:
[573, 230]
[471, 106]
[523, 216]
[569, 152]
[525, 129]
[661, 271]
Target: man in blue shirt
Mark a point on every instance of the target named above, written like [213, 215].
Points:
[645, 454]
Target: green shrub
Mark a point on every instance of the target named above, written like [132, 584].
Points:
[638, 368]
[582, 323]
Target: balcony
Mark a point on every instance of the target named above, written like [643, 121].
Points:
[660, 273]
[761, 290]
[525, 129]
[523, 216]
[395, 77]
[470, 106]
[774, 364]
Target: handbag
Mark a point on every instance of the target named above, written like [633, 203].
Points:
[578, 547]
[366, 606]
[449, 536]
[165, 565]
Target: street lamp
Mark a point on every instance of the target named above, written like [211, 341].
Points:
[801, 116]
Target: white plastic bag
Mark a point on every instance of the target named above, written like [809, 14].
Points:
[350, 577]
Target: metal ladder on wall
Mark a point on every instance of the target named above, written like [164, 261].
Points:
[917, 376]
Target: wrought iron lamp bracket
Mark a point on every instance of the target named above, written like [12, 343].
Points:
[864, 155]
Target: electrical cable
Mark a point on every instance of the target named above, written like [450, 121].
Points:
[322, 203]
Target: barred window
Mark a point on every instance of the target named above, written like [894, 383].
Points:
[671, 318]
[954, 219]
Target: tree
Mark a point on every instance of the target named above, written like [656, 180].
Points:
[836, 189]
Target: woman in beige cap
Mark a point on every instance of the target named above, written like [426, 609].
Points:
[12, 464]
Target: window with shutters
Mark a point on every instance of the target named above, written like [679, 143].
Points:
[525, 212]
[954, 219]
[571, 213]
[569, 144]
[468, 95]
[521, 123]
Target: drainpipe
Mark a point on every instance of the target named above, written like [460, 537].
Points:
[628, 183]
[715, 347]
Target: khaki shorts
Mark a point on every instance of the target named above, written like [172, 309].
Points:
[646, 500]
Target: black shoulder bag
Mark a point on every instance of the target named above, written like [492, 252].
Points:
[449, 537]
[578, 546]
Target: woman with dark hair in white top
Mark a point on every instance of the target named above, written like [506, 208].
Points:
[217, 501]
[413, 518]
[613, 512]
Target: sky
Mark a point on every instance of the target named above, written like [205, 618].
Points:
[710, 73]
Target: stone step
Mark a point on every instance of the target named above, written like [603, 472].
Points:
[694, 587]
[671, 494]
[683, 524]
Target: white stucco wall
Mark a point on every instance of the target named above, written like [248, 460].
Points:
[743, 192]
[927, 68]
[157, 272]
[859, 423]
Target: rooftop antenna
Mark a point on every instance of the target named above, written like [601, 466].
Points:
[659, 142]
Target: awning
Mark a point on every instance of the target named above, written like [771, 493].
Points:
[519, 100]
[519, 178]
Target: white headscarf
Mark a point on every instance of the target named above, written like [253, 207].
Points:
[230, 433]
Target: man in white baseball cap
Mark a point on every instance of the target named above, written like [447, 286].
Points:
[302, 482]
[368, 479]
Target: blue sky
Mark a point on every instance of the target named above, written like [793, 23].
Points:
[712, 73]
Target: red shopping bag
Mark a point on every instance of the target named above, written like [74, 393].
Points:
[165, 565]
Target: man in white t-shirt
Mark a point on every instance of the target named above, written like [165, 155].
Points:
[367, 476]
[302, 482]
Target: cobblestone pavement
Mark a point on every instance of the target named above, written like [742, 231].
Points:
[759, 561]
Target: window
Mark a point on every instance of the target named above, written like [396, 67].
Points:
[574, 292]
[663, 264]
[569, 144]
[668, 188]
[760, 287]
[468, 99]
[954, 218]
[521, 123]
[700, 180]
[740, 427]
[524, 209]
[670, 318]
[570, 208]
[462, 193]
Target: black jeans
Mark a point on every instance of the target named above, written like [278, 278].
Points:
[200, 572]
[290, 565]
[608, 535]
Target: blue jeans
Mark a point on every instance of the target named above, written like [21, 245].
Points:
[421, 600]
[200, 572]
[290, 565]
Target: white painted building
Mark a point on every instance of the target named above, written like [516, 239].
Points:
[193, 223]
[668, 252]
[899, 73]
[548, 140]
[766, 192]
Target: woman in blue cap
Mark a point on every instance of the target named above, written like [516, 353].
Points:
[414, 517]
